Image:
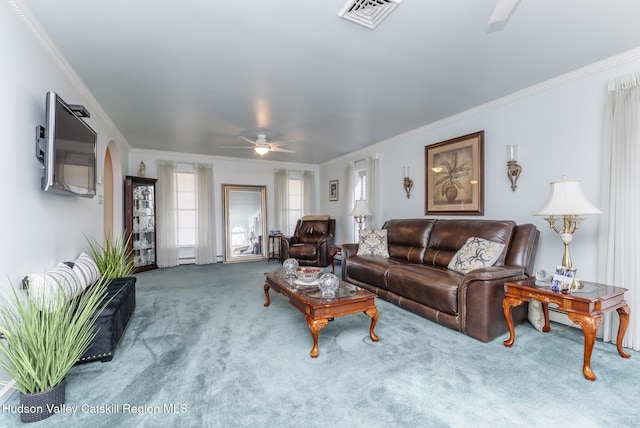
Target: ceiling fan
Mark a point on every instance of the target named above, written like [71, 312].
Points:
[261, 146]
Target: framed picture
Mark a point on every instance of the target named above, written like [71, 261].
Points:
[333, 190]
[455, 176]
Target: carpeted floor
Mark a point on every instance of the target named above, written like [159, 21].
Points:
[202, 351]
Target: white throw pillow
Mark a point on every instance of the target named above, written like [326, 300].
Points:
[44, 287]
[536, 314]
[86, 269]
[476, 253]
[373, 243]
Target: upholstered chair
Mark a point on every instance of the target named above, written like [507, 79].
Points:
[311, 242]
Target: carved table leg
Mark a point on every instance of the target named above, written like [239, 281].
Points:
[545, 310]
[315, 326]
[373, 314]
[623, 313]
[589, 329]
[266, 293]
[507, 304]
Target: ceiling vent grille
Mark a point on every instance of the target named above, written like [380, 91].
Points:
[368, 13]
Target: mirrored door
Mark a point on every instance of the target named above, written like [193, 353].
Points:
[245, 223]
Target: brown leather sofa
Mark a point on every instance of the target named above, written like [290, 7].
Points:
[311, 241]
[415, 275]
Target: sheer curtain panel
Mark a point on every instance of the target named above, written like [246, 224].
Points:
[205, 224]
[372, 167]
[619, 233]
[308, 193]
[348, 224]
[167, 251]
[281, 180]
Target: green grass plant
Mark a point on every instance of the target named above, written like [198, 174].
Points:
[43, 340]
[113, 257]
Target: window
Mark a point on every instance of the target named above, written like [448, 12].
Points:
[186, 206]
[296, 208]
[360, 192]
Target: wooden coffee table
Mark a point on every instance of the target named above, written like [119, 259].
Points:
[583, 307]
[349, 299]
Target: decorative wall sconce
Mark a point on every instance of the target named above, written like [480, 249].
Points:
[513, 168]
[408, 183]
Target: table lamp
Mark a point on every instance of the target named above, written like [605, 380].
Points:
[567, 201]
[360, 213]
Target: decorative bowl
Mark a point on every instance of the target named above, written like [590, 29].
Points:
[308, 274]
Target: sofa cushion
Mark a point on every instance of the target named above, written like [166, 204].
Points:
[370, 270]
[448, 236]
[407, 239]
[373, 243]
[303, 251]
[431, 286]
[476, 253]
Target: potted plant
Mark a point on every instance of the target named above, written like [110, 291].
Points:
[44, 336]
[113, 257]
[449, 175]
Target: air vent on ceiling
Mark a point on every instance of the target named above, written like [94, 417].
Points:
[368, 13]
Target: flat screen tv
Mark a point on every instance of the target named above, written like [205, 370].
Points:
[67, 149]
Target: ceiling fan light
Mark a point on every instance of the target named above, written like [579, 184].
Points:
[261, 150]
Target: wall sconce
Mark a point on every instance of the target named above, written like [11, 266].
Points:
[408, 183]
[513, 169]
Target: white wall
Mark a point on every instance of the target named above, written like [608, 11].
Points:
[558, 128]
[39, 229]
[225, 171]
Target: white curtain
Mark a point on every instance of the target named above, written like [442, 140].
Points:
[281, 180]
[348, 223]
[619, 237]
[372, 168]
[205, 224]
[308, 193]
[167, 242]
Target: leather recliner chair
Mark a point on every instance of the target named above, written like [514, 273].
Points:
[311, 242]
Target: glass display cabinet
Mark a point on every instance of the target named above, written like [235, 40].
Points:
[140, 221]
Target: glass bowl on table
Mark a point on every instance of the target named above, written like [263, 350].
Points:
[308, 275]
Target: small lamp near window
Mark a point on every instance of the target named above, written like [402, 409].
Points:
[407, 183]
[513, 168]
[360, 212]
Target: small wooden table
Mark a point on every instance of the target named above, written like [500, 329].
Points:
[334, 250]
[350, 299]
[584, 307]
[274, 247]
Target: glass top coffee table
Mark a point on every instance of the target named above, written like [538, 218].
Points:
[308, 299]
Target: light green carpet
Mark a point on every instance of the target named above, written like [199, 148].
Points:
[201, 340]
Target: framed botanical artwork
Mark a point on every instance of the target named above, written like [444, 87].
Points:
[455, 176]
[333, 190]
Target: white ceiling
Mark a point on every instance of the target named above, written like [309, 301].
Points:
[194, 75]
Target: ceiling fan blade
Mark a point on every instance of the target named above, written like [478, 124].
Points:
[249, 141]
[501, 14]
[278, 149]
[235, 147]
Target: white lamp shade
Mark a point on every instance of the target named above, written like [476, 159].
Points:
[567, 198]
[360, 208]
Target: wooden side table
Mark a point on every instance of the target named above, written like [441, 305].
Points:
[584, 307]
[334, 250]
[274, 247]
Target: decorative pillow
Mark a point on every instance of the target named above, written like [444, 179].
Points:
[86, 269]
[44, 287]
[373, 243]
[536, 315]
[475, 253]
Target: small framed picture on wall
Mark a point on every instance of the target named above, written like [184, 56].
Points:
[333, 190]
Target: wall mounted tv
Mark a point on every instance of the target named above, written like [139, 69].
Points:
[67, 149]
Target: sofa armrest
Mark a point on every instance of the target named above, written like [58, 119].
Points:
[493, 273]
[349, 250]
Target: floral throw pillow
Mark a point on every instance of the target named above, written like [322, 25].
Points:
[476, 253]
[373, 243]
